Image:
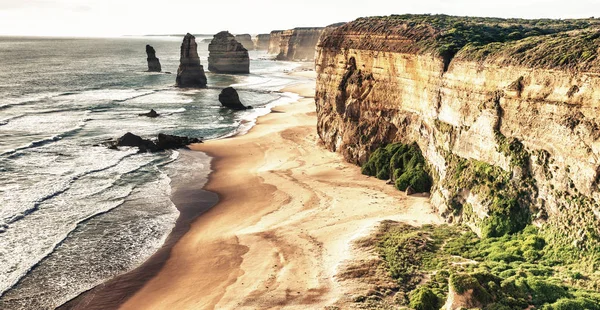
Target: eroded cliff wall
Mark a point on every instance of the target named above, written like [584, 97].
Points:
[275, 42]
[299, 43]
[479, 113]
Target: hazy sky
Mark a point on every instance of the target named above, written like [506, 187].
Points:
[119, 17]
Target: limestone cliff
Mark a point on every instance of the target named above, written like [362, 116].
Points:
[506, 112]
[153, 62]
[262, 42]
[275, 42]
[190, 72]
[245, 40]
[299, 43]
[226, 55]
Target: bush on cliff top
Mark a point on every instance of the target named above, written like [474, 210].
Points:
[446, 35]
[427, 260]
[402, 163]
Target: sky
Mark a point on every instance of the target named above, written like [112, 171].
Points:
[138, 17]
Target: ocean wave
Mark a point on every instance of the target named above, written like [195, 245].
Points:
[60, 241]
[48, 140]
[137, 96]
[25, 100]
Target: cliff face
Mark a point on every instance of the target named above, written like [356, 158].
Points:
[190, 73]
[275, 42]
[299, 43]
[226, 55]
[245, 40]
[153, 62]
[262, 42]
[508, 139]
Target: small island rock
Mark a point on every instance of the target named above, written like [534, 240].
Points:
[153, 62]
[229, 98]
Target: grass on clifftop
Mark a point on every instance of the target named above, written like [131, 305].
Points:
[510, 272]
[445, 36]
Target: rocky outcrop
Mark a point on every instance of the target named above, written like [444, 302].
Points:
[509, 125]
[151, 114]
[245, 40]
[275, 42]
[190, 72]
[262, 42]
[299, 43]
[226, 55]
[164, 142]
[153, 62]
[229, 98]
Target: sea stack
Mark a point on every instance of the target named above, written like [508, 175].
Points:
[226, 55]
[153, 62]
[190, 72]
[246, 41]
[262, 42]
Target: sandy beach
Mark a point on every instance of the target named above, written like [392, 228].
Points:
[287, 214]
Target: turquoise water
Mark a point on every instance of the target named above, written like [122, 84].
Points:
[72, 213]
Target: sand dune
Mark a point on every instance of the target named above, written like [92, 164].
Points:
[288, 212]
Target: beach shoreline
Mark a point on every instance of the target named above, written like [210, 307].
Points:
[191, 200]
[288, 211]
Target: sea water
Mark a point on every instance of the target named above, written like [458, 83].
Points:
[74, 213]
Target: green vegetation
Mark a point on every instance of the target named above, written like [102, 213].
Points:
[402, 163]
[509, 272]
[539, 42]
[507, 199]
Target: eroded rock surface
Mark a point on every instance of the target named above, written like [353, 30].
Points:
[505, 111]
[299, 43]
[190, 72]
[275, 42]
[262, 42]
[245, 40]
[153, 62]
[226, 55]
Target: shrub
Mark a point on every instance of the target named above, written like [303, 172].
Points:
[423, 298]
[403, 163]
[543, 292]
[573, 304]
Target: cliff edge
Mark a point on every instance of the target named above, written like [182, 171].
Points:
[505, 111]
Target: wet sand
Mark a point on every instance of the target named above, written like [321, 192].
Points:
[287, 215]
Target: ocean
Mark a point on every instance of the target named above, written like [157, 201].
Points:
[74, 213]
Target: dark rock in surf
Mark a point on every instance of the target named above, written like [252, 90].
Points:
[151, 114]
[190, 72]
[153, 62]
[132, 140]
[164, 142]
[229, 98]
[174, 142]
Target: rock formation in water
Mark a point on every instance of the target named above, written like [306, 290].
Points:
[262, 42]
[245, 40]
[275, 42]
[164, 142]
[153, 62]
[299, 43]
[190, 72]
[509, 123]
[229, 98]
[151, 114]
[226, 55]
